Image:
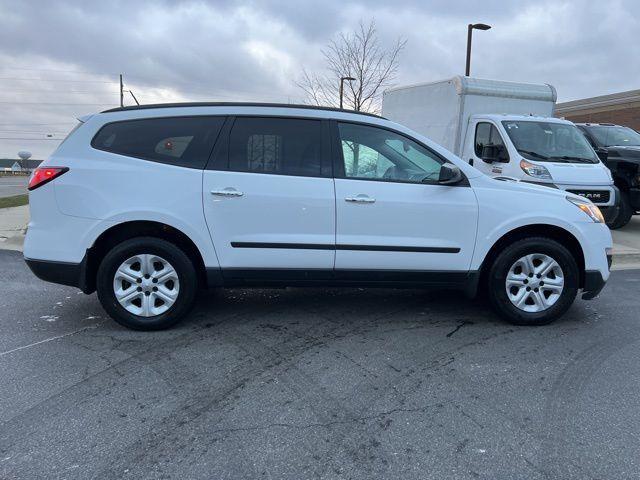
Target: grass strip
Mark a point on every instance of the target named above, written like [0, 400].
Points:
[14, 201]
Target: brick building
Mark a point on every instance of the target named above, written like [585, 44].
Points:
[620, 108]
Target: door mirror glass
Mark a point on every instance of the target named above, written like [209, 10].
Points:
[450, 174]
[494, 153]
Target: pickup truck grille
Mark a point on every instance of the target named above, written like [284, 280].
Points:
[596, 196]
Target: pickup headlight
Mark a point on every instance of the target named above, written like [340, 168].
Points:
[589, 208]
[536, 171]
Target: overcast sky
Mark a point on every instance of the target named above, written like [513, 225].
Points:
[61, 59]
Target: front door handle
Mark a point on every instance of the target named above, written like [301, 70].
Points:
[361, 198]
[227, 192]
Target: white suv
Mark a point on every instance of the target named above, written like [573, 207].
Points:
[148, 204]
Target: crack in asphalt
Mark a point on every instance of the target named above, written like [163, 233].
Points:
[460, 325]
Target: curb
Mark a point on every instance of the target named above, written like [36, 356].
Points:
[625, 261]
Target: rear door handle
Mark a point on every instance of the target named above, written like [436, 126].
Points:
[227, 192]
[361, 198]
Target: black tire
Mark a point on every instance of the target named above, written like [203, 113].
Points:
[147, 245]
[625, 212]
[498, 273]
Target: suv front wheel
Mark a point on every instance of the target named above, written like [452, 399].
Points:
[533, 281]
[625, 212]
[146, 283]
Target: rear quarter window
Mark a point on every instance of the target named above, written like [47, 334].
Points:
[181, 141]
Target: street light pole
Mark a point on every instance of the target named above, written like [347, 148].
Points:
[470, 28]
[342, 79]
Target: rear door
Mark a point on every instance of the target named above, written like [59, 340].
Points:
[392, 216]
[269, 199]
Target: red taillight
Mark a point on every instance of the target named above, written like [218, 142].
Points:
[43, 175]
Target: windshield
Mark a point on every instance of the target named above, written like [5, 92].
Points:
[548, 141]
[614, 136]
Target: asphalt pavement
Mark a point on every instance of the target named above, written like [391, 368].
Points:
[317, 383]
[13, 185]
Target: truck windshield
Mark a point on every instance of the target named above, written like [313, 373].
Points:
[549, 141]
[614, 136]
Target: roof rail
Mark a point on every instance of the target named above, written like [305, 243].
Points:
[237, 104]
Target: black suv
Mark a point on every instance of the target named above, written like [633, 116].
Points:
[619, 149]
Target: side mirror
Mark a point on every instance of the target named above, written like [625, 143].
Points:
[449, 174]
[493, 153]
[603, 153]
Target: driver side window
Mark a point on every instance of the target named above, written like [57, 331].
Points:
[486, 135]
[379, 154]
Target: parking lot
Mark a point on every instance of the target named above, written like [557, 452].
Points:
[13, 185]
[317, 383]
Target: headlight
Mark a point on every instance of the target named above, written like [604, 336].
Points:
[589, 208]
[533, 170]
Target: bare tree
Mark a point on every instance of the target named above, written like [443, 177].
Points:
[358, 55]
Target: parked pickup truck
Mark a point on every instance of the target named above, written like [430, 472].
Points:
[619, 149]
[505, 130]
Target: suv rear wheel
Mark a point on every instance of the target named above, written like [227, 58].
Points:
[533, 281]
[146, 283]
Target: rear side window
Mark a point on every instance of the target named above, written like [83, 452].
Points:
[182, 141]
[284, 146]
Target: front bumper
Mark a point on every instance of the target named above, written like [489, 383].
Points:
[62, 273]
[593, 284]
[634, 198]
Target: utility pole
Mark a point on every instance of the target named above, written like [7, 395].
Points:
[121, 92]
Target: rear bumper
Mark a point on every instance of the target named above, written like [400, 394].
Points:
[593, 284]
[63, 273]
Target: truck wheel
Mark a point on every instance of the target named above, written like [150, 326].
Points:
[625, 212]
[146, 283]
[533, 281]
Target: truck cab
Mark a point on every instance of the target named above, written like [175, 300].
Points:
[506, 130]
[619, 149]
[541, 150]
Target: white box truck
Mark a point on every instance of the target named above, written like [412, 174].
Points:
[506, 130]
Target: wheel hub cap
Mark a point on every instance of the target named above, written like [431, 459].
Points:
[534, 283]
[146, 285]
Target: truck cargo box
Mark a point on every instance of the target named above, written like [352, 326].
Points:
[441, 110]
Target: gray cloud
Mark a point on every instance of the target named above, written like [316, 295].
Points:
[253, 50]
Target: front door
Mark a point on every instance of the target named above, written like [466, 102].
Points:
[392, 215]
[270, 203]
[487, 134]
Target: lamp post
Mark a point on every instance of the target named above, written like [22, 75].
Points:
[470, 28]
[342, 79]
